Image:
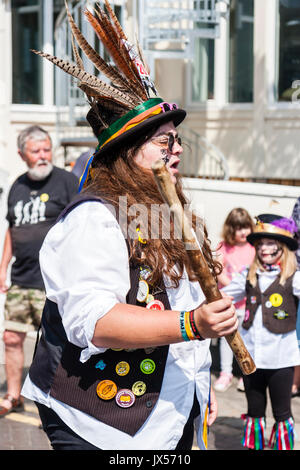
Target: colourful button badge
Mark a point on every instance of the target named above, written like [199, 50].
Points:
[147, 366]
[106, 389]
[122, 368]
[139, 388]
[125, 398]
[143, 291]
[155, 305]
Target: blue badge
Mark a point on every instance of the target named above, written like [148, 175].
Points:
[100, 365]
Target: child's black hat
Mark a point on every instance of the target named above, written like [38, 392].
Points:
[276, 227]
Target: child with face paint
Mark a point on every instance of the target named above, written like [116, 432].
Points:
[272, 289]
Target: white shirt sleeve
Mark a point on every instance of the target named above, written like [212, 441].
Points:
[85, 267]
[237, 287]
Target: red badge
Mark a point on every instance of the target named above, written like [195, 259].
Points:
[155, 305]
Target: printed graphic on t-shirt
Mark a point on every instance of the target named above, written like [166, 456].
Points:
[31, 212]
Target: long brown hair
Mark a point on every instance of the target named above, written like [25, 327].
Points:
[236, 219]
[121, 176]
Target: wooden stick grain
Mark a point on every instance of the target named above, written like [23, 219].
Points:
[198, 262]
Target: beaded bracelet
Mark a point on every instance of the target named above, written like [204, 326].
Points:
[189, 331]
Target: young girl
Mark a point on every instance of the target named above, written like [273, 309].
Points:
[272, 289]
[235, 254]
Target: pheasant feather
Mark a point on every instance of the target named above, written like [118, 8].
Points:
[94, 57]
[115, 21]
[77, 57]
[108, 38]
[86, 78]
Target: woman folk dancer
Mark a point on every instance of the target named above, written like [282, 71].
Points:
[272, 289]
[123, 361]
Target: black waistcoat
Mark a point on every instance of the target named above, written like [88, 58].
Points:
[56, 368]
[279, 306]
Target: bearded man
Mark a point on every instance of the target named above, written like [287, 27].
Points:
[35, 200]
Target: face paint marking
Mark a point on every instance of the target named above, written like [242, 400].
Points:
[165, 156]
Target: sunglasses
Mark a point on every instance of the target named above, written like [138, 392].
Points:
[167, 141]
[165, 106]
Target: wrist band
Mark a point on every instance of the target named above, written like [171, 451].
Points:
[188, 327]
[194, 328]
[182, 327]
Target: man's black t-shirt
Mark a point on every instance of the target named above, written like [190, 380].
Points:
[33, 207]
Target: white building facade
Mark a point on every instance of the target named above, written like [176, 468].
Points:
[240, 85]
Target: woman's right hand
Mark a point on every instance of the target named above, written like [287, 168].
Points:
[216, 319]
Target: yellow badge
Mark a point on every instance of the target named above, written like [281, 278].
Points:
[44, 197]
[276, 300]
[140, 238]
[106, 389]
[139, 388]
[122, 368]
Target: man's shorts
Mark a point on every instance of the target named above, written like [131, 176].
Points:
[23, 309]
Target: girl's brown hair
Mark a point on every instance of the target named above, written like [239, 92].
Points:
[121, 176]
[236, 219]
[288, 264]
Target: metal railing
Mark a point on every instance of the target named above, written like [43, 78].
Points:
[176, 23]
[201, 158]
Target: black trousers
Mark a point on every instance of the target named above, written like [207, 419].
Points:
[279, 384]
[62, 437]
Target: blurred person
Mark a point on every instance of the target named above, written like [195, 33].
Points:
[235, 254]
[35, 200]
[80, 163]
[296, 218]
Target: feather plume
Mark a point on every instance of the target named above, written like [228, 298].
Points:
[130, 84]
[115, 31]
[115, 21]
[108, 42]
[88, 79]
[107, 35]
[94, 57]
[98, 93]
[77, 57]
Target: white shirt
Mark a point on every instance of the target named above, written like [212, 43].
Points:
[84, 263]
[268, 350]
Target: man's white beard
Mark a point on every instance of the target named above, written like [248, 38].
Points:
[40, 171]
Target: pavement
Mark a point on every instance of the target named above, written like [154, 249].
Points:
[21, 431]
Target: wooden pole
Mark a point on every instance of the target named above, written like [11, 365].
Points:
[198, 262]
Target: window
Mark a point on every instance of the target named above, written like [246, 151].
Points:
[289, 49]
[26, 35]
[203, 70]
[28, 32]
[241, 51]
